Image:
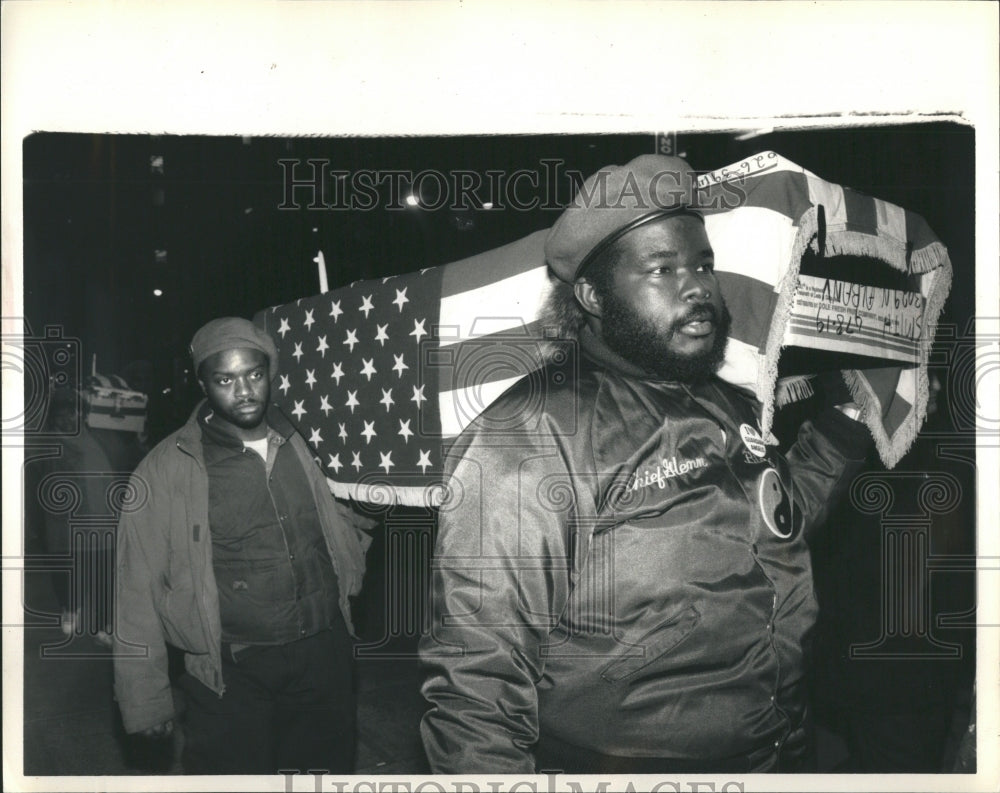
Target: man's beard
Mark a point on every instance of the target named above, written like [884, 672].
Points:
[647, 345]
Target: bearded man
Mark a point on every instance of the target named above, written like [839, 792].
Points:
[621, 580]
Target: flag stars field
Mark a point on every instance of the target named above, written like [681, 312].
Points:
[372, 396]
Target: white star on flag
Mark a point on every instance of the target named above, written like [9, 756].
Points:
[387, 399]
[335, 310]
[368, 369]
[299, 411]
[369, 431]
[285, 385]
[381, 336]
[418, 395]
[352, 339]
[404, 430]
[323, 346]
[335, 463]
[418, 329]
[386, 461]
[325, 405]
[425, 461]
[356, 462]
[343, 431]
[298, 351]
[352, 400]
[399, 366]
[284, 328]
[309, 320]
[338, 372]
[310, 378]
[400, 299]
[315, 438]
[366, 305]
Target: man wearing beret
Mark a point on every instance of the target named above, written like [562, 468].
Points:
[234, 551]
[621, 581]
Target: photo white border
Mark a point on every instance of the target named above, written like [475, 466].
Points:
[435, 68]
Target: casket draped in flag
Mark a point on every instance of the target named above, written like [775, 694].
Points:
[381, 375]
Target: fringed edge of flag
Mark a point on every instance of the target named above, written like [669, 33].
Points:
[381, 495]
[793, 389]
[808, 226]
[841, 242]
[891, 449]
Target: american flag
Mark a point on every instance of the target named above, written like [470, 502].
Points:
[379, 376]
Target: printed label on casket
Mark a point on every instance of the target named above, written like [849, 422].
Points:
[842, 316]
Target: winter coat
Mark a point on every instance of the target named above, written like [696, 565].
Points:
[166, 586]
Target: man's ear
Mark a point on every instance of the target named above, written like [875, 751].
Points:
[202, 384]
[587, 295]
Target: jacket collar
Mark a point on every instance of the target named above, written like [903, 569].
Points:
[189, 436]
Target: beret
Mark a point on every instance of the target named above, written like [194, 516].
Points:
[233, 333]
[611, 203]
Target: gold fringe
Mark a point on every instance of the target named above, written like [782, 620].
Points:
[767, 375]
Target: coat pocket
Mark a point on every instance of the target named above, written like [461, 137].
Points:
[179, 620]
[652, 646]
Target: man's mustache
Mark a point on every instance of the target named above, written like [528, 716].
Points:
[699, 313]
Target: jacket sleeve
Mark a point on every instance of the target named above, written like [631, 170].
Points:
[142, 684]
[500, 580]
[829, 452]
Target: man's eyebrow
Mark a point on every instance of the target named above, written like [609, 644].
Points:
[230, 373]
[669, 253]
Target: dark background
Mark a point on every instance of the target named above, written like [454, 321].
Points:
[95, 212]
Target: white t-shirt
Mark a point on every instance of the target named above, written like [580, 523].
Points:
[258, 446]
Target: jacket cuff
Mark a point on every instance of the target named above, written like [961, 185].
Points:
[850, 438]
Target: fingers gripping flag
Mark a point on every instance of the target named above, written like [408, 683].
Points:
[379, 376]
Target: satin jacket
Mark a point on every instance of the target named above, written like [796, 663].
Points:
[622, 565]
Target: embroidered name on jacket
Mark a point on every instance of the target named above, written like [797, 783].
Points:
[668, 468]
